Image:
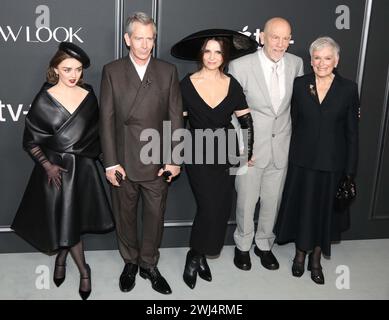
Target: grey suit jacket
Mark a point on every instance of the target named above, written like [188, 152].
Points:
[272, 130]
[129, 105]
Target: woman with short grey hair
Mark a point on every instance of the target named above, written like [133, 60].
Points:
[322, 42]
[322, 160]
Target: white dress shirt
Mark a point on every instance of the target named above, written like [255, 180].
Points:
[140, 69]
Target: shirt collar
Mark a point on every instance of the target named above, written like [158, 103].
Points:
[137, 65]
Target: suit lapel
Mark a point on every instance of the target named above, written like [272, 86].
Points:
[289, 78]
[331, 93]
[143, 87]
[131, 74]
[311, 88]
[260, 78]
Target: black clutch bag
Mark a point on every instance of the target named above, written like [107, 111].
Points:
[346, 194]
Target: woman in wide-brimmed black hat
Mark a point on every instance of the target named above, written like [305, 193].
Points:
[65, 196]
[210, 98]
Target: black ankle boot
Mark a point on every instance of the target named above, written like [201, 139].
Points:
[204, 271]
[191, 269]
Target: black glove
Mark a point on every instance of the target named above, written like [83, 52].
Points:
[246, 122]
[53, 171]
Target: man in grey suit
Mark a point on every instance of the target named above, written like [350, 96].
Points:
[139, 92]
[267, 79]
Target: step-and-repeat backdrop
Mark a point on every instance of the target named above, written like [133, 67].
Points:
[31, 30]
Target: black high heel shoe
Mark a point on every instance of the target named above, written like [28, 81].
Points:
[317, 275]
[298, 268]
[204, 271]
[191, 269]
[59, 281]
[85, 294]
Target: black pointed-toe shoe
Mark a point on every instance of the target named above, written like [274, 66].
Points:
[204, 271]
[268, 260]
[191, 269]
[297, 269]
[158, 283]
[317, 275]
[59, 281]
[242, 259]
[85, 294]
[127, 278]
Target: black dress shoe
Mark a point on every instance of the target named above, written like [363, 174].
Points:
[158, 283]
[317, 275]
[59, 281]
[297, 269]
[127, 278]
[191, 269]
[204, 271]
[85, 294]
[268, 260]
[242, 259]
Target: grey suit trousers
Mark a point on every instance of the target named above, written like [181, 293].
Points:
[264, 183]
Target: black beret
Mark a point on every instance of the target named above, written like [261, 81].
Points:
[75, 52]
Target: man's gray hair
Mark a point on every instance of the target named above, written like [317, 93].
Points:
[322, 42]
[142, 18]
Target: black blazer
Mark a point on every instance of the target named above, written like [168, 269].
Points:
[325, 136]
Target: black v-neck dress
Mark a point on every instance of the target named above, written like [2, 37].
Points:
[212, 184]
[49, 218]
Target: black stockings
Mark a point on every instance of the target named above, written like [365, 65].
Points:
[77, 253]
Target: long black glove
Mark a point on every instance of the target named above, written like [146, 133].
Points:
[53, 171]
[246, 122]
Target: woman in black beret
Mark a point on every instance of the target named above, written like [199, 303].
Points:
[65, 196]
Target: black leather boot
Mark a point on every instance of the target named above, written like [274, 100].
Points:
[204, 271]
[191, 268]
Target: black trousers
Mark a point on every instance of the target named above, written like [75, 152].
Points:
[144, 251]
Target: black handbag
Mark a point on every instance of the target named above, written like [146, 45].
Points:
[345, 194]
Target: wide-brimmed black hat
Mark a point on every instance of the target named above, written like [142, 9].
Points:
[189, 47]
[76, 52]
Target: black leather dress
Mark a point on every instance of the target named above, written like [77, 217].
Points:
[49, 218]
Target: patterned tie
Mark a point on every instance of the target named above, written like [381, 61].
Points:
[275, 88]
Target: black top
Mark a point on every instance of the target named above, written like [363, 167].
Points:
[201, 115]
[325, 136]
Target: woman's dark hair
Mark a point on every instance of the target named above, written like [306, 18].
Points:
[59, 56]
[225, 50]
